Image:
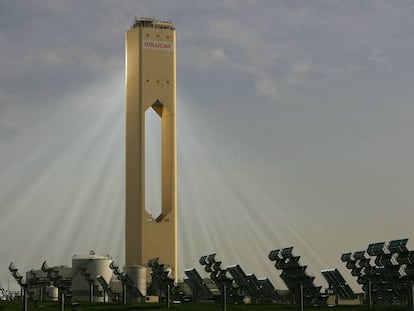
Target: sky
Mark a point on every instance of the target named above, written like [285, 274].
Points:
[294, 128]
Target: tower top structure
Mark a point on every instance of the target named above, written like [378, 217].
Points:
[151, 22]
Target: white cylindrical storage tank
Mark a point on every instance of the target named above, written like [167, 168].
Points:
[84, 272]
[138, 275]
[51, 293]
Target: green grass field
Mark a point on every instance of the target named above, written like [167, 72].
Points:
[13, 306]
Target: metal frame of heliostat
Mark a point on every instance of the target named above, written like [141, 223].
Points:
[60, 281]
[383, 275]
[199, 288]
[4, 293]
[107, 289]
[223, 282]
[161, 283]
[405, 259]
[237, 286]
[37, 282]
[259, 291]
[94, 288]
[338, 285]
[387, 285]
[129, 288]
[299, 283]
[22, 283]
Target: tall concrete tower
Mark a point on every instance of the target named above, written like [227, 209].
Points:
[150, 84]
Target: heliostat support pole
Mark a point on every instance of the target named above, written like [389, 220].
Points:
[124, 294]
[62, 300]
[300, 297]
[24, 299]
[370, 294]
[168, 296]
[224, 298]
[411, 296]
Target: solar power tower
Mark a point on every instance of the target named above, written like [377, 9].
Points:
[385, 280]
[294, 276]
[338, 285]
[150, 84]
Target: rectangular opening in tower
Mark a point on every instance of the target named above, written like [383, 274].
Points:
[153, 192]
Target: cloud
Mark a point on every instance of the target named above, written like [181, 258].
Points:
[302, 67]
[53, 6]
[266, 85]
[299, 70]
[219, 55]
[252, 55]
[378, 59]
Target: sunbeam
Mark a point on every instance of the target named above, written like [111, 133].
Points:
[223, 202]
[76, 188]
